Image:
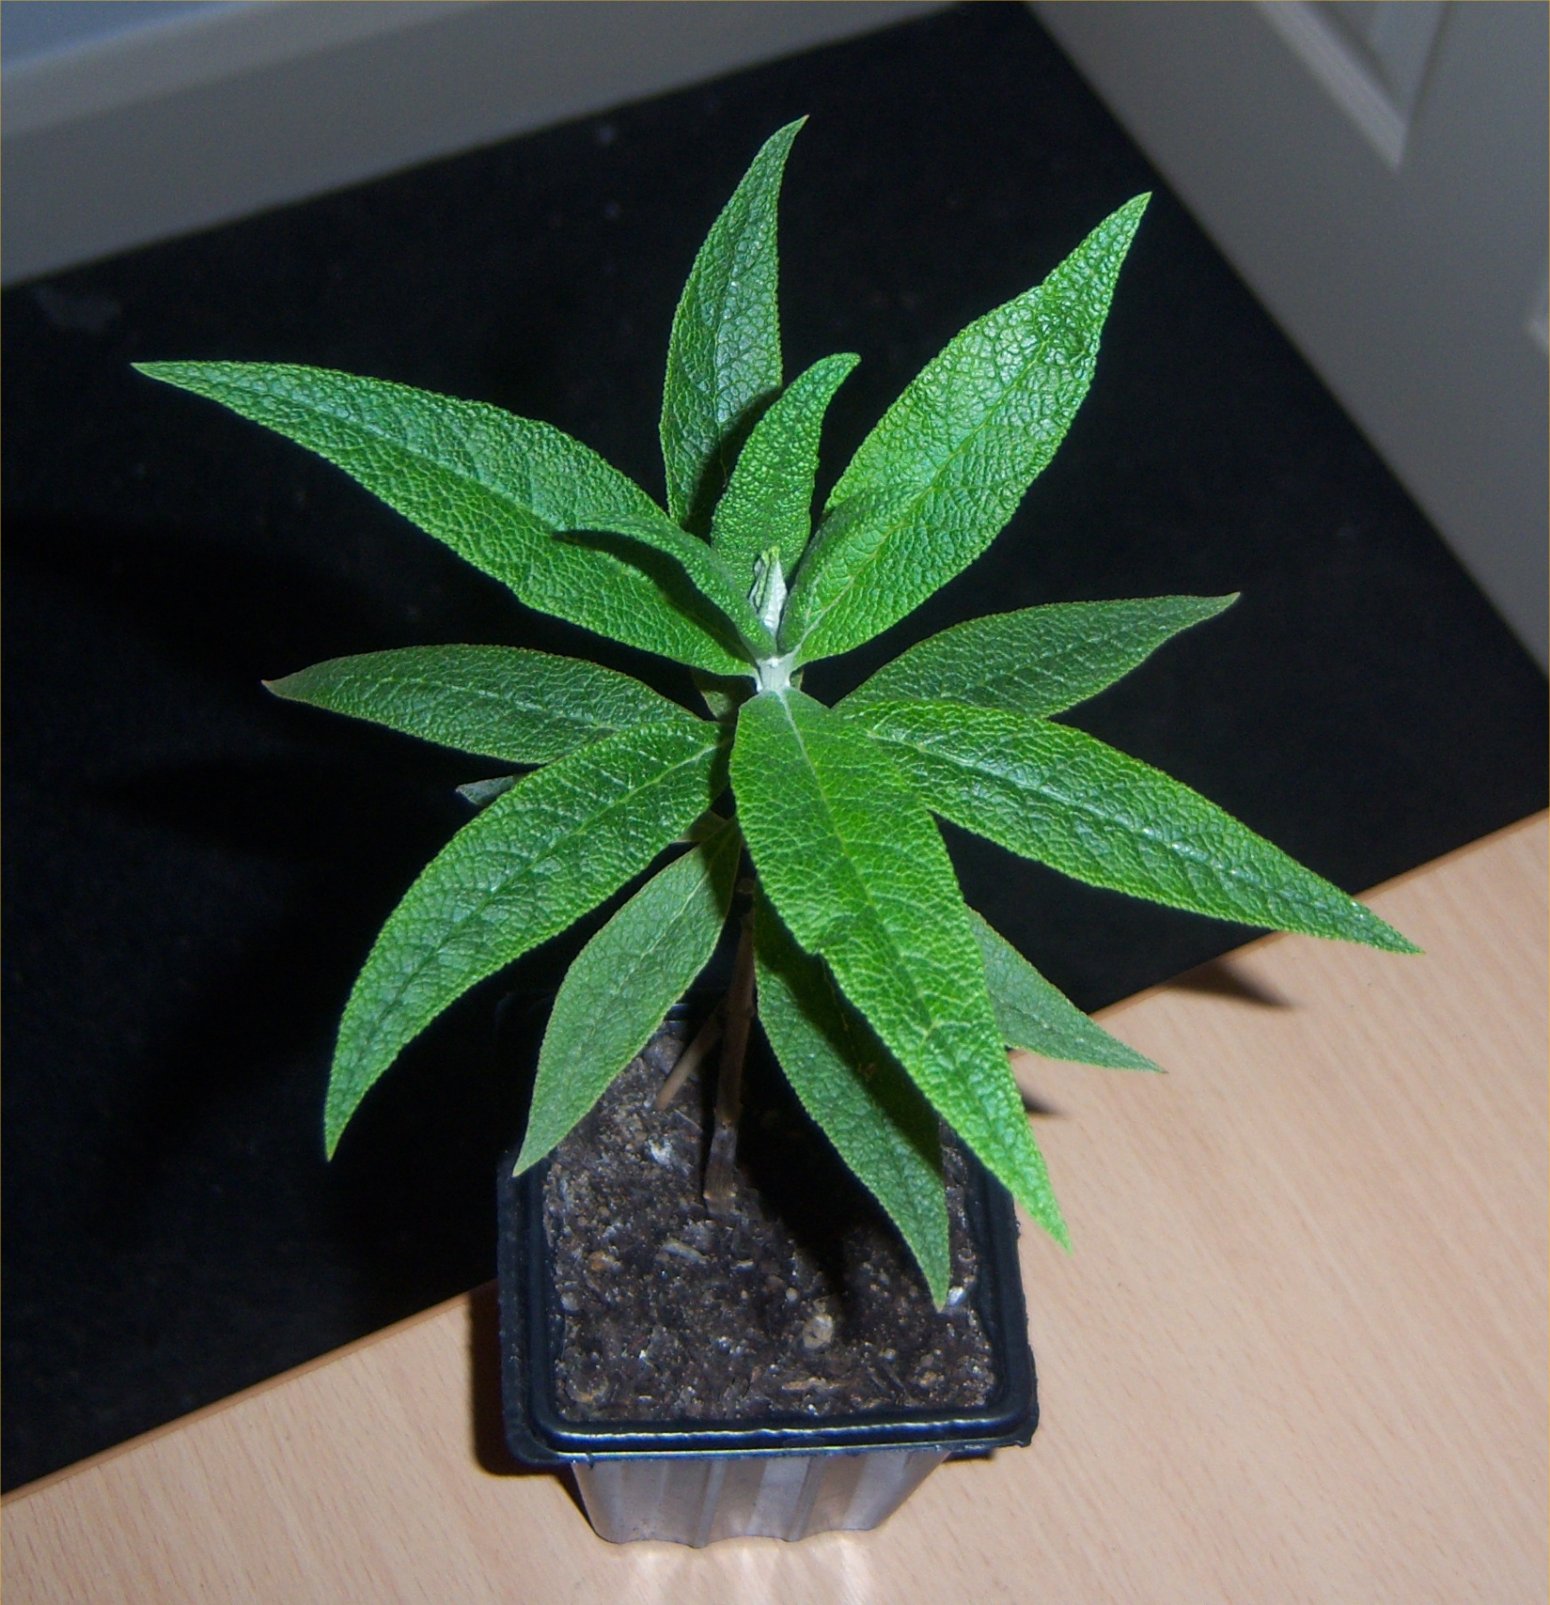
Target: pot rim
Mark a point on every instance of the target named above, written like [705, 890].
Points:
[540, 1435]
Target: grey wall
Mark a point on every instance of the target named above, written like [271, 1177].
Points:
[33, 29]
[125, 124]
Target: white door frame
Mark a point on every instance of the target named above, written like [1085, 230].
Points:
[1378, 176]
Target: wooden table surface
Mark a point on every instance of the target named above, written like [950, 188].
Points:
[1299, 1353]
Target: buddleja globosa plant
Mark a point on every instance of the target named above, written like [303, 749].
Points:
[888, 1002]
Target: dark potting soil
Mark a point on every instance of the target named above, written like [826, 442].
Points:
[804, 1301]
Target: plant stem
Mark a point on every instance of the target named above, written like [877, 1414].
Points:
[720, 1172]
[705, 1039]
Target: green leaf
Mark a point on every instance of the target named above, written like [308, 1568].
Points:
[495, 488]
[721, 695]
[709, 575]
[1038, 1017]
[851, 1085]
[723, 358]
[768, 506]
[1039, 660]
[503, 702]
[939, 476]
[537, 859]
[481, 793]
[1059, 796]
[624, 981]
[854, 866]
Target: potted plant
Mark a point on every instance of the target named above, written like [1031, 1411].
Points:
[808, 829]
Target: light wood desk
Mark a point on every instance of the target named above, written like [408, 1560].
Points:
[1298, 1355]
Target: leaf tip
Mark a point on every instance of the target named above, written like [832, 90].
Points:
[339, 1107]
[933, 1257]
[1128, 218]
[289, 687]
[1044, 1208]
[1377, 932]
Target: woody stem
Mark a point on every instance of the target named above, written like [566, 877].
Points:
[720, 1175]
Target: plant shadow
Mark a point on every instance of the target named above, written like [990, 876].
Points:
[1227, 979]
[1038, 1107]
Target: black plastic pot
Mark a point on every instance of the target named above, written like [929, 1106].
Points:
[694, 1483]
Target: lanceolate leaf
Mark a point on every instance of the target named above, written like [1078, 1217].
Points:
[1039, 660]
[724, 354]
[503, 702]
[769, 504]
[858, 874]
[495, 488]
[939, 476]
[704, 568]
[625, 980]
[889, 1004]
[553, 847]
[1036, 1016]
[1060, 796]
[853, 1088]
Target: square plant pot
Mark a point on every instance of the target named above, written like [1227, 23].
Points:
[780, 1473]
